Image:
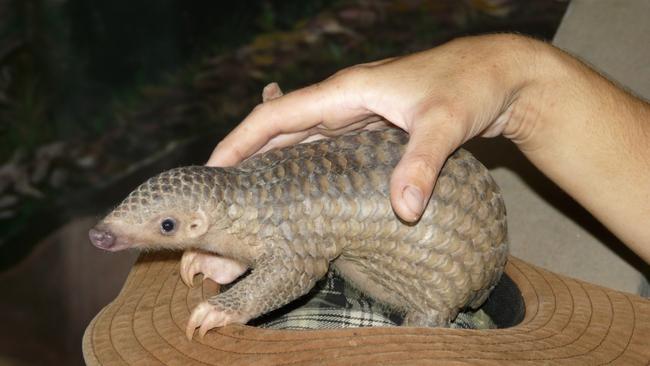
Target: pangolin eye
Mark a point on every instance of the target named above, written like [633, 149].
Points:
[167, 226]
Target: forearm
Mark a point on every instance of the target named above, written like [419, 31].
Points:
[592, 139]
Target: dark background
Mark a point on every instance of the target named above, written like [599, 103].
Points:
[97, 96]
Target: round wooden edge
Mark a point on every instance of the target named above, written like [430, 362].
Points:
[567, 321]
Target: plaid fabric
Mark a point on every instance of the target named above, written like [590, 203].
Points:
[333, 303]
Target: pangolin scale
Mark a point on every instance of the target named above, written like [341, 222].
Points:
[292, 213]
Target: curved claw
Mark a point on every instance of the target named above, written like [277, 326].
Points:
[212, 320]
[188, 270]
[196, 319]
[207, 316]
[221, 270]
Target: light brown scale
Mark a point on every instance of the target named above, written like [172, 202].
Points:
[300, 210]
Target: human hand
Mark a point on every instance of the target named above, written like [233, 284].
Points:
[442, 97]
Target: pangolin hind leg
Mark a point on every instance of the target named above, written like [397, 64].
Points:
[431, 318]
[354, 274]
[417, 314]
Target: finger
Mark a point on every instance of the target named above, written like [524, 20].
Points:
[374, 63]
[271, 91]
[335, 102]
[316, 133]
[414, 176]
[283, 140]
[348, 127]
[381, 123]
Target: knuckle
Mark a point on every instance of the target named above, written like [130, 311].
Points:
[447, 109]
[237, 154]
[422, 167]
[452, 109]
[353, 75]
[422, 163]
[258, 107]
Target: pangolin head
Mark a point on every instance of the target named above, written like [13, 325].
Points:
[169, 210]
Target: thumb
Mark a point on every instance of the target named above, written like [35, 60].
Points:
[415, 175]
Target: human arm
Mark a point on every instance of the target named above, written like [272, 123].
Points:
[582, 131]
[592, 139]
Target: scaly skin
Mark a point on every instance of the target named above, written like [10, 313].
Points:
[289, 214]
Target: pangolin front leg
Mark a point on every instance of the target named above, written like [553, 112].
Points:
[219, 269]
[274, 281]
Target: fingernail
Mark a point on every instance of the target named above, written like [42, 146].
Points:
[414, 200]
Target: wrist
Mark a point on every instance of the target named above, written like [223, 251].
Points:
[588, 136]
[519, 68]
[543, 73]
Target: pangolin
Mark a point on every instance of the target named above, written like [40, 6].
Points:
[290, 214]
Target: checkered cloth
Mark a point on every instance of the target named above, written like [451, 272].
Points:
[333, 303]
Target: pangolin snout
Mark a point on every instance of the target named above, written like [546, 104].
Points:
[101, 238]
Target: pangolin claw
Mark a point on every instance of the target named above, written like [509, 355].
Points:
[186, 261]
[207, 316]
